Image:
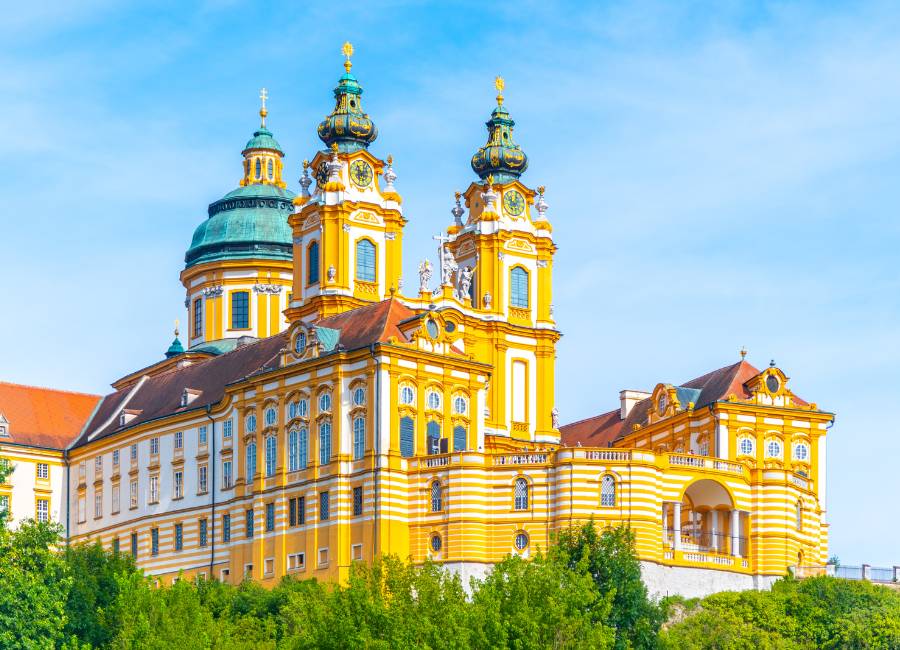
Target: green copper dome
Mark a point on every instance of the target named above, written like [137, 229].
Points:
[500, 156]
[263, 139]
[176, 348]
[347, 126]
[250, 222]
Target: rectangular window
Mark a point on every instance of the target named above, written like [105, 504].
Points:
[115, 545]
[357, 501]
[179, 484]
[296, 561]
[198, 317]
[179, 440]
[324, 506]
[356, 552]
[312, 262]
[226, 528]
[226, 474]
[227, 429]
[133, 452]
[154, 489]
[98, 465]
[201, 479]
[202, 533]
[301, 511]
[248, 524]
[240, 310]
[134, 545]
[359, 437]
[115, 498]
[4, 503]
[269, 566]
[324, 443]
[154, 446]
[43, 470]
[179, 537]
[82, 510]
[292, 512]
[407, 434]
[518, 288]
[43, 510]
[133, 494]
[323, 556]
[365, 260]
[154, 541]
[115, 458]
[201, 436]
[459, 438]
[98, 505]
[270, 517]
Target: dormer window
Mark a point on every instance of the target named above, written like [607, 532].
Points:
[661, 405]
[188, 395]
[127, 415]
[4, 427]
[773, 383]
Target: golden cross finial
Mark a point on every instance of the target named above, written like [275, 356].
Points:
[490, 180]
[263, 96]
[390, 159]
[305, 164]
[347, 51]
[499, 84]
[743, 352]
[541, 189]
[458, 195]
[176, 327]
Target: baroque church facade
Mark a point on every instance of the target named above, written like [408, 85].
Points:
[321, 413]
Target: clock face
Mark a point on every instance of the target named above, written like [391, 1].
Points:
[514, 202]
[321, 174]
[361, 173]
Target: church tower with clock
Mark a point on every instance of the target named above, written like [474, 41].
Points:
[347, 231]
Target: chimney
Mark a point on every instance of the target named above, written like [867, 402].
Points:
[627, 400]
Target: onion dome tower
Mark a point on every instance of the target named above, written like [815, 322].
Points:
[347, 125]
[239, 260]
[500, 157]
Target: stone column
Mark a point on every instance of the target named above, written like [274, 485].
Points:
[736, 533]
[676, 526]
[665, 523]
[714, 530]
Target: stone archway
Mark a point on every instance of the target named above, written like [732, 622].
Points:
[705, 520]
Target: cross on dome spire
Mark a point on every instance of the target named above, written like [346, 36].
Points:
[263, 96]
[347, 51]
[499, 85]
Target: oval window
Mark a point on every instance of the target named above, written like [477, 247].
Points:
[300, 343]
[435, 543]
[271, 169]
[772, 383]
[432, 328]
[521, 541]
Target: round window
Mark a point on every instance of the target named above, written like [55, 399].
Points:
[773, 449]
[435, 543]
[432, 328]
[300, 343]
[521, 541]
[450, 327]
[772, 383]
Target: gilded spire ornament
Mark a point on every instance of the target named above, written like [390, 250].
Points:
[347, 51]
[499, 85]
[263, 95]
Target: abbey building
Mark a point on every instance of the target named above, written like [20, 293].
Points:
[320, 411]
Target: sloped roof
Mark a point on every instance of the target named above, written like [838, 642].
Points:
[160, 395]
[44, 417]
[711, 387]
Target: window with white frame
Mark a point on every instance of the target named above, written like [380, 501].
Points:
[292, 410]
[608, 491]
[801, 451]
[271, 416]
[518, 289]
[154, 489]
[201, 435]
[133, 452]
[250, 461]
[521, 541]
[43, 470]
[227, 478]
[436, 501]
[303, 448]
[359, 396]
[227, 429]
[133, 494]
[521, 494]
[745, 445]
[407, 394]
[773, 449]
[324, 443]
[433, 400]
[365, 260]
[115, 498]
[296, 561]
[179, 484]
[115, 457]
[202, 482]
[98, 504]
[303, 408]
[98, 466]
[271, 455]
[43, 510]
[250, 423]
[293, 451]
[460, 405]
[359, 437]
[179, 440]
[325, 402]
[154, 446]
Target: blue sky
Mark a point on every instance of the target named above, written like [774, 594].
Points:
[719, 175]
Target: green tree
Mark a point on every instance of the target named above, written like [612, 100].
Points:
[611, 560]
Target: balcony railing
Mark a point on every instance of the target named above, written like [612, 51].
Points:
[702, 462]
[608, 454]
[522, 459]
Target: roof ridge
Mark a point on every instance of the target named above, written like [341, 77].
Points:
[55, 390]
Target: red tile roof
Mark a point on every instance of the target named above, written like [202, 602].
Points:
[597, 431]
[44, 417]
[374, 323]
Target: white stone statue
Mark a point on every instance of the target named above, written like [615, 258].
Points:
[448, 267]
[425, 270]
[487, 299]
[465, 283]
[554, 417]
[332, 273]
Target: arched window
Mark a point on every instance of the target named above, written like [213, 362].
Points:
[271, 455]
[250, 461]
[250, 423]
[773, 449]
[436, 504]
[325, 402]
[324, 443]
[258, 168]
[293, 451]
[799, 515]
[436, 543]
[271, 417]
[460, 405]
[608, 491]
[459, 438]
[434, 400]
[365, 260]
[270, 169]
[407, 394]
[746, 446]
[300, 343]
[521, 541]
[433, 433]
[521, 494]
[518, 288]
[303, 448]
[312, 263]
[359, 437]
[407, 435]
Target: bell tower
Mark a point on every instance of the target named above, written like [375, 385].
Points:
[505, 251]
[347, 232]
